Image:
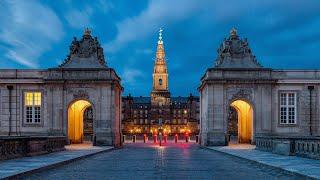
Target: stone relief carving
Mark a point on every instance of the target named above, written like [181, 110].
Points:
[234, 48]
[81, 93]
[240, 93]
[86, 47]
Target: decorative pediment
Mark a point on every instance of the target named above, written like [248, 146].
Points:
[235, 53]
[85, 53]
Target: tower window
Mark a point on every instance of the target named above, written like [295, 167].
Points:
[160, 82]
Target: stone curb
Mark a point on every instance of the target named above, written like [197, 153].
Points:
[57, 164]
[261, 163]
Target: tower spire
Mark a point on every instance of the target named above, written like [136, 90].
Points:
[160, 36]
[160, 94]
[160, 54]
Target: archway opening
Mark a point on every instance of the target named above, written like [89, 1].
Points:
[240, 122]
[80, 122]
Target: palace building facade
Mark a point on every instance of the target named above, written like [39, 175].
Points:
[175, 115]
[243, 102]
[80, 100]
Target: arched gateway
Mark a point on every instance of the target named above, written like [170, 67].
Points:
[80, 122]
[86, 94]
[240, 122]
[232, 94]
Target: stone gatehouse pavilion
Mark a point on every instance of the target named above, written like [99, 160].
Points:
[79, 100]
[243, 102]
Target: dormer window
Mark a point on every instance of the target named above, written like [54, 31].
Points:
[160, 82]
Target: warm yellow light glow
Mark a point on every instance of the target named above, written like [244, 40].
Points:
[37, 98]
[32, 98]
[245, 114]
[75, 120]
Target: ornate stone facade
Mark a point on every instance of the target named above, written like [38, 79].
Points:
[284, 103]
[40, 102]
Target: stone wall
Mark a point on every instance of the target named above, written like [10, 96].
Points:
[13, 147]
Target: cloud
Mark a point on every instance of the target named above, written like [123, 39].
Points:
[157, 14]
[29, 29]
[144, 51]
[130, 75]
[79, 18]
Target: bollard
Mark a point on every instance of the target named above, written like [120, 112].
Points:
[187, 138]
[124, 138]
[144, 138]
[197, 138]
[134, 138]
[155, 138]
[176, 138]
[160, 139]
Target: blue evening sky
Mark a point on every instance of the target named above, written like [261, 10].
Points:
[283, 34]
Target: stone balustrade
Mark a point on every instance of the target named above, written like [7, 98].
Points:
[308, 147]
[13, 147]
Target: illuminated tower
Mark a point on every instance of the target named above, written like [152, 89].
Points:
[160, 94]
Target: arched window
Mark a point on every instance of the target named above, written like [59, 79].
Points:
[160, 82]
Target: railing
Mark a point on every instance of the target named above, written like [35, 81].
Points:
[308, 147]
[13, 147]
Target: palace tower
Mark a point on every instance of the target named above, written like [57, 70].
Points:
[160, 94]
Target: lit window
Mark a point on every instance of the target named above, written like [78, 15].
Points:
[288, 103]
[32, 104]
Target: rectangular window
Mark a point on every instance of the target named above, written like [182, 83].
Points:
[32, 107]
[288, 108]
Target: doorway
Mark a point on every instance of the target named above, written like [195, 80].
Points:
[240, 122]
[80, 122]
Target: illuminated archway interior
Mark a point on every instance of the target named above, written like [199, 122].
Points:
[75, 120]
[245, 115]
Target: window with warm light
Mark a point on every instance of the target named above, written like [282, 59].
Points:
[288, 108]
[32, 107]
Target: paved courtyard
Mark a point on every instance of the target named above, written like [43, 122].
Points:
[174, 161]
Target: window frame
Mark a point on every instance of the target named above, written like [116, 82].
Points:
[24, 107]
[287, 106]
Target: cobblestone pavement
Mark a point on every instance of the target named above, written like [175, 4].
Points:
[174, 161]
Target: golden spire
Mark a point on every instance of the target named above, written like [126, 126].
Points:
[160, 55]
[87, 32]
[233, 32]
